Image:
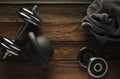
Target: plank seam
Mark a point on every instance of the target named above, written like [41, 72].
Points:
[43, 2]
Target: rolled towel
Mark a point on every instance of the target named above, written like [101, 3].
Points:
[103, 19]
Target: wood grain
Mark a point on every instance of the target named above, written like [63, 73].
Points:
[51, 2]
[48, 13]
[62, 25]
[57, 70]
[46, 1]
[55, 32]
[67, 40]
[69, 51]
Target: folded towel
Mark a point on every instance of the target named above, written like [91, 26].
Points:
[103, 20]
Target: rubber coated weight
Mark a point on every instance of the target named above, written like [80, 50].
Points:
[35, 52]
[31, 13]
[14, 47]
[10, 44]
[10, 47]
[97, 67]
[46, 46]
[7, 48]
[7, 40]
[27, 11]
[29, 16]
[84, 56]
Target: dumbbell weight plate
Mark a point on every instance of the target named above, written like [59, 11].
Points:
[16, 48]
[6, 41]
[84, 56]
[5, 46]
[46, 46]
[27, 11]
[8, 49]
[29, 16]
[97, 67]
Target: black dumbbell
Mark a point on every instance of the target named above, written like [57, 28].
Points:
[10, 47]
[39, 50]
[29, 17]
[97, 67]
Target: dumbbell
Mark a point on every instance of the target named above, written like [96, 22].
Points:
[97, 67]
[10, 47]
[39, 50]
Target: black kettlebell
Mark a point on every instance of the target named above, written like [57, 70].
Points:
[39, 50]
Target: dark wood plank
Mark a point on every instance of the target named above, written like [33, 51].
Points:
[62, 25]
[48, 13]
[45, 1]
[48, 0]
[67, 40]
[55, 32]
[69, 51]
[57, 70]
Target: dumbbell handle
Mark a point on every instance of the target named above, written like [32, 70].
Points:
[22, 27]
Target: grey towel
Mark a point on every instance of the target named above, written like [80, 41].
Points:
[103, 20]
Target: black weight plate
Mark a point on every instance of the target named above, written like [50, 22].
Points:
[97, 67]
[84, 56]
[7, 40]
[35, 52]
[10, 44]
[29, 16]
[31, 21]
[36, 19]
[27, 11]
[16, 48]
[46, 46]
[6, 47]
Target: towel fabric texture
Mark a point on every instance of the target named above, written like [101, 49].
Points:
[103, 20]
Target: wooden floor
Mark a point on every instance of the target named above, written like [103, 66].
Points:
[61, 23]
